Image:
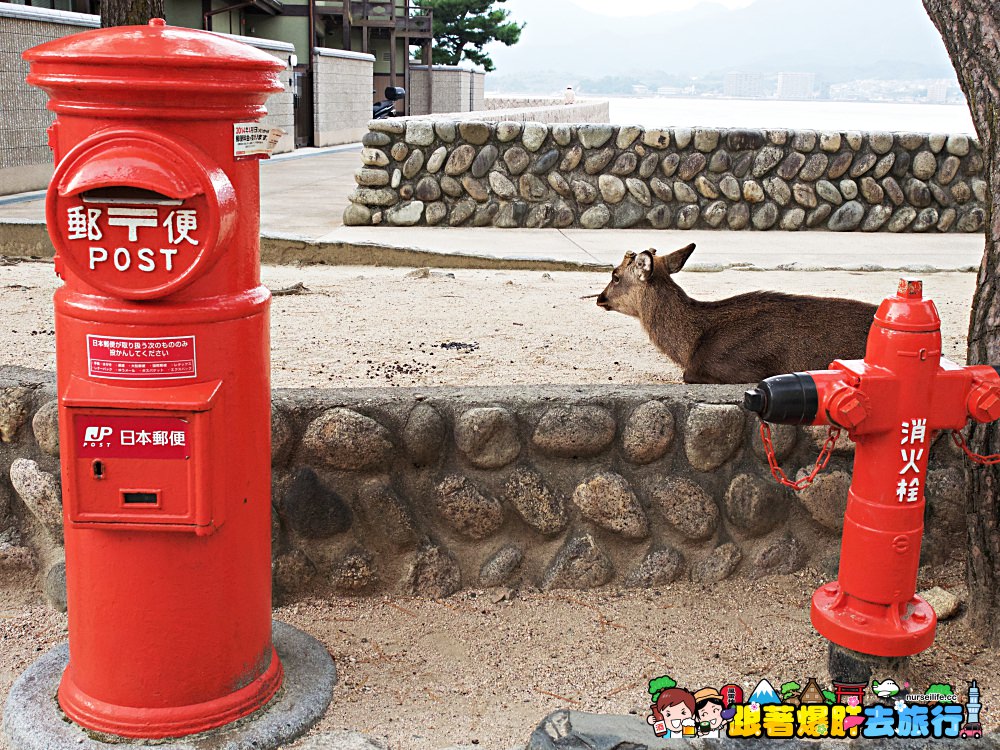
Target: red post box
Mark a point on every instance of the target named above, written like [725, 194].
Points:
[163, 376]
[893, 404]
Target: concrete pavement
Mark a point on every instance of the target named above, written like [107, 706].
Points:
[303, 196]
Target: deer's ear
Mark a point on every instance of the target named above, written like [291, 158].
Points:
[629, 257]
[677, 259]
[644, 265]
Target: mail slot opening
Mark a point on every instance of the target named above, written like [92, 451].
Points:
[141, 498]
[116, 194]
[98, 467]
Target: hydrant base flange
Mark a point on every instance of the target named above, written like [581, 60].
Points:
[879, 630]
[32, 719]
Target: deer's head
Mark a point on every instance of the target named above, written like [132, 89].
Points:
[634, 275]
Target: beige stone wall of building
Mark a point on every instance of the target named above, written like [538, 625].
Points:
[454, 90]
[342, 96]
[25, 158]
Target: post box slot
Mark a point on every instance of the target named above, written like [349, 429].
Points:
[140, 498]
[126, 194]
[98, 467]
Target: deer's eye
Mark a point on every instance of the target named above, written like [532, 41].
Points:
[615, 278]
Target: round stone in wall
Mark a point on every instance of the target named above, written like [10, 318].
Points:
[41, 493]
[755, 506]
[420, 132]
[607, 500]
[718, 565]
[579, 564]
[687, 217]
[876, 218]
[476, 133]
[924, 165]
[540, 507]
[311, 509]
[487, 437]
[782, 556]
[594, 136]
[686, 507]
[355, 572]
[15, 404]
[534, 135]
[847, 217]
[396, 524]
[423, 434]
[501, 566]
[345, 440]
[579, 431]
[508, 131]
[55, 586]
[434, 573]
[596, 217]
[713, 432]
[467, 510]
[826, 499]
[658, 568]
[765, 216]
[45, 425]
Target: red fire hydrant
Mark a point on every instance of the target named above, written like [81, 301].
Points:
[893, 404]
[163, 376]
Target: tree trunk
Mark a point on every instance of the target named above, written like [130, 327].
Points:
[971, 33]
[130, 12]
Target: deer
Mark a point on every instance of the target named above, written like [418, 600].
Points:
[741, 339]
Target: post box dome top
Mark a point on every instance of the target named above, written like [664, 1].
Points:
[154, 71]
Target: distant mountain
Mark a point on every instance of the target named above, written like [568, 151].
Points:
[838, 41]
[764, 694]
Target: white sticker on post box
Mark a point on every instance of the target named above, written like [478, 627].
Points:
[118, 358]
[251, 138]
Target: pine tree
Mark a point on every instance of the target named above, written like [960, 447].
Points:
[463, 27]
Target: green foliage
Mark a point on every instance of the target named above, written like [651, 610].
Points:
[463, 27]
[788, 688]
[660, 684]
[939, 688]
[831, 697]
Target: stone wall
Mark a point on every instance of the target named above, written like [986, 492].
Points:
[342, 92]
[454, 89]
[512, 174]
[25, 158]
[428, 491]
[521, 102]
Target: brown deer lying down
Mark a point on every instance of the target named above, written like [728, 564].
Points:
[742, 339]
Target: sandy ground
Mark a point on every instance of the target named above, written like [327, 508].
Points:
[360, 326]
[483, 667]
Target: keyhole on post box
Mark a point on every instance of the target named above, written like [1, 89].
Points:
[98, 467]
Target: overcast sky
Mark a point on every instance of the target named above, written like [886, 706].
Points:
[698, 37]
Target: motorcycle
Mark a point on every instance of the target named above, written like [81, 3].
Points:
[387, 107]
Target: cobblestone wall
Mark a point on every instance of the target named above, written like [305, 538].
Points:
[513, 174]
[342, 92]
[432, 490]
[25, 158]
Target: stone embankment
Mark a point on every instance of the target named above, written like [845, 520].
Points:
[514, 174]
[428, 491]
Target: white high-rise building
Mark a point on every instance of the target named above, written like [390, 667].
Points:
[743, 85]
[796, 85]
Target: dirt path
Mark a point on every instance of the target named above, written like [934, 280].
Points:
[484, 667]
[380, 326]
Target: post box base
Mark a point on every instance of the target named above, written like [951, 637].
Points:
[876, 629]
[32, 720]
[175, 721]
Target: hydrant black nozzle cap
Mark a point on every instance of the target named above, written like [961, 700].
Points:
[784, 399]
[754, 400]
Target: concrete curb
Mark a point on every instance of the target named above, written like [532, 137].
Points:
[32, 719]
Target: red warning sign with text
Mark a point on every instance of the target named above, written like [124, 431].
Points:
[104, 436]
[119, 358]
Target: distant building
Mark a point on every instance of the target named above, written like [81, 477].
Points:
[743, 85]
[796, 85]
[640, 89]
[937, 92]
